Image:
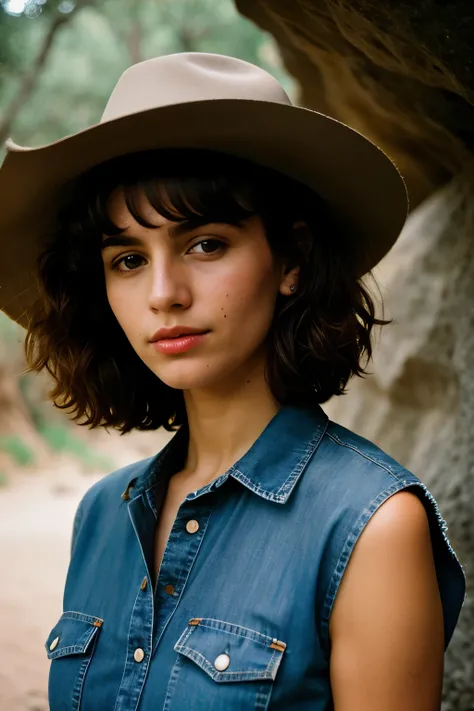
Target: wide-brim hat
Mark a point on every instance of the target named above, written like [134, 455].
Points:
[198, 100]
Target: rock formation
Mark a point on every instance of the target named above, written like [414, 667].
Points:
[402, 74]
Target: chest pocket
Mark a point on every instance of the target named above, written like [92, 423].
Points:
[223, 667]
[70, 646]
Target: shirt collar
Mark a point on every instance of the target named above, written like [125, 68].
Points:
[270, 468]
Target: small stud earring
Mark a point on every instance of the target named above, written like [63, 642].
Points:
[292, 287]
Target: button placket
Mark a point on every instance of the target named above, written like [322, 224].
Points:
[180, 554]
[140, 636]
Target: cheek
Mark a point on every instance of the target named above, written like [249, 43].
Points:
[247, 296]
[124, 308]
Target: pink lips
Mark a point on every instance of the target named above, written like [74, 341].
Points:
[180, 344]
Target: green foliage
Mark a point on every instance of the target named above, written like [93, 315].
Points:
[99, 42]
[9, 330]
[17, 450]
[62, 440]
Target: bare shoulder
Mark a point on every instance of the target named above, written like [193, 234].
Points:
[401, 518]
[386, 627]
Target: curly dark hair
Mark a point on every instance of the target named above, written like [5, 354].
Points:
[317, 339]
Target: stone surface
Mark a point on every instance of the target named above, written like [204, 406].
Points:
[418, 404]
[402, 74]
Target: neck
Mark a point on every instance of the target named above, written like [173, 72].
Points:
[224, 422]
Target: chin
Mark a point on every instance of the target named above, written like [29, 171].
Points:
[180, 377]
[194, 375]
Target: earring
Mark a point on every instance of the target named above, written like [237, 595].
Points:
[292, 287]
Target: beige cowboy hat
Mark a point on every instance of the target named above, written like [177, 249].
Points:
[208, 101]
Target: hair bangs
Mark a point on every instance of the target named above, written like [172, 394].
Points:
[200, 188]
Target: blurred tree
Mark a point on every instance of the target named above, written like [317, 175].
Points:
[56, 16]
[87, 51]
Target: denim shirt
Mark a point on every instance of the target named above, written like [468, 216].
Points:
[240, 615]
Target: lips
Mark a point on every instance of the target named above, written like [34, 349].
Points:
[182, 335]
[176, 332]
[179, 344]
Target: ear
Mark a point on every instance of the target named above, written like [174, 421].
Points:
[290, 274]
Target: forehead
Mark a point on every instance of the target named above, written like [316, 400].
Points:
[120, 214]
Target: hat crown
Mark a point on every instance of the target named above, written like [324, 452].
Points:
[187, 77]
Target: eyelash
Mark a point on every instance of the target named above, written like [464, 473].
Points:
[116, 264]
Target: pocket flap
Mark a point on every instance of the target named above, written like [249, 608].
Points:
[229, 652]
[72, 634]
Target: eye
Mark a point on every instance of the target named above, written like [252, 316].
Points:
[211, 246]
[130, 261]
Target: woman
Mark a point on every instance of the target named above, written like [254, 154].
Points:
[203, 273]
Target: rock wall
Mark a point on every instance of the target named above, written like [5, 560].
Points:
[418, 404]
[402, 74]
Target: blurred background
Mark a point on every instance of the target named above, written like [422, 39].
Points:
[402, 74]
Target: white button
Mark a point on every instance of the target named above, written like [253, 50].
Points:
[222, 662]
[192, 526]
[54, 644]
[139, 655]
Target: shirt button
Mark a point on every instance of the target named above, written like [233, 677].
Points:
[54, 644]
[169, 589]
[222, 662]
[192, 526]
[139, 655]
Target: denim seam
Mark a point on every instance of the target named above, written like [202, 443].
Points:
[125, 666]
[289, 482]
[402, 477]
[246, 636]
[79, 688]
[207, 666]
[172, 681]
[72, 649]
[78, 517]
[441, 522]
[346, 553]
[379, 463]
[236, 634]
[80, 616]
[296, 473]
[144, 563]
[274, 662]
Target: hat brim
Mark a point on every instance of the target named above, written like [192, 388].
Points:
[363, 187]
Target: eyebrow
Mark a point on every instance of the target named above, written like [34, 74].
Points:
[175, 231]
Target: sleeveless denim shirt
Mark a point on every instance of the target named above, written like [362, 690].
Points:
[239, 618]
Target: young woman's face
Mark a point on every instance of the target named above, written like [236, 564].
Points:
[217, 278]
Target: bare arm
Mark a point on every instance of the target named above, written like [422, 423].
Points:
[387, 623]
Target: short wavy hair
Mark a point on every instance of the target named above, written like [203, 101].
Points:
[317, 339]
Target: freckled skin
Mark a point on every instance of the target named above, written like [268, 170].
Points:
[175, 286]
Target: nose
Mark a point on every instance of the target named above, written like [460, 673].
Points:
[168, 288]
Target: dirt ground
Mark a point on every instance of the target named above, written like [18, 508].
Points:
[36, 514]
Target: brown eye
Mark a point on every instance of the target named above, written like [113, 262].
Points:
[209, 246]
[128, 263]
